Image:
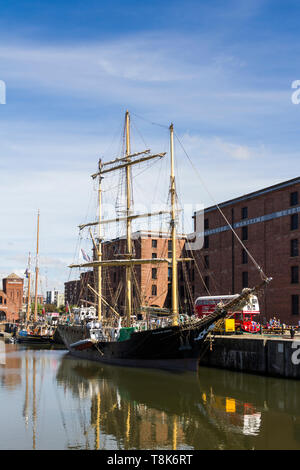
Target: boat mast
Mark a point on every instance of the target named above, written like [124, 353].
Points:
[28, 291]
[99, 252]
[36, 267]
[128, 303]
[173, 233]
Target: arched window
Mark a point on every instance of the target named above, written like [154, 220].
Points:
[2, 316]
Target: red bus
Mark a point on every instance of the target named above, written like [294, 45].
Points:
[246, 319]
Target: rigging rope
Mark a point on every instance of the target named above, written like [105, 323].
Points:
[263, 275]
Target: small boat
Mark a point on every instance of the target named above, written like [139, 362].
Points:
[35, 336]
[31, 332]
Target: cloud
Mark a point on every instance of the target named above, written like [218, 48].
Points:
[147, 67]
[217, 147]
[86, 68]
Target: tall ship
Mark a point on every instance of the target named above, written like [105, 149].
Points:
[159, 338]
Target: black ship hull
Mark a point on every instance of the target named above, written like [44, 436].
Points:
[35, 339]
[170, 348]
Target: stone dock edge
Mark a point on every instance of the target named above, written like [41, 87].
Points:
[259, 355]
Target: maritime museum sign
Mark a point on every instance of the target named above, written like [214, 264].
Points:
[263, 218]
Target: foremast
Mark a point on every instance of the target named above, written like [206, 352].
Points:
[28, 289]
[99, 249]
[173, 233]
[36, 266]
[128, 302]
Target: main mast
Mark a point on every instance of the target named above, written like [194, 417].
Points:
[28, 290]
[128, 303]
[36, 267]
[99, 248]
[173, 233]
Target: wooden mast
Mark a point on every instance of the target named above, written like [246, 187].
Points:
[173, 233]
[28, 291]
[99, 250]
[36, 267]
[128, 304]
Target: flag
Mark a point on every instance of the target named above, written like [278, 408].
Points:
[85, 256]
[43, 311]
[27, 272]
[67, 307]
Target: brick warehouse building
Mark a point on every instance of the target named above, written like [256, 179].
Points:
[77, 292]
[11, 298]
[268, 223]
[150, 282]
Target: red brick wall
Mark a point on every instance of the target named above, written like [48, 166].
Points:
[142, 281]
[269, 244]
[13, 288]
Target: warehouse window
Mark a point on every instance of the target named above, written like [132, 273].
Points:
[244, 233]
[154, 289]
[154, 243]
[295, 304]
[154, 273]
[206, 241]
[206, 261]
[294, 247]
[244, 213]
[294, 198]
[294, 221]
[294, 274]
[245, 279]
[154, 255]
[244, 256]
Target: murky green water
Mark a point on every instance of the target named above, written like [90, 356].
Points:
[50, 400]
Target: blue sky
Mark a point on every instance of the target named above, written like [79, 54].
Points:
[221, 71]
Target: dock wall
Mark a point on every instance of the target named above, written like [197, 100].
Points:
[259, 355]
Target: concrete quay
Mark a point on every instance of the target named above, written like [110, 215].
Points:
[258, 354]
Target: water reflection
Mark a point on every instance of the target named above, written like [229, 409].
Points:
[11, 364]
[219, 409]
[50, 400]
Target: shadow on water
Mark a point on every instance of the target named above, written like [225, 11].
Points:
[215, 409]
